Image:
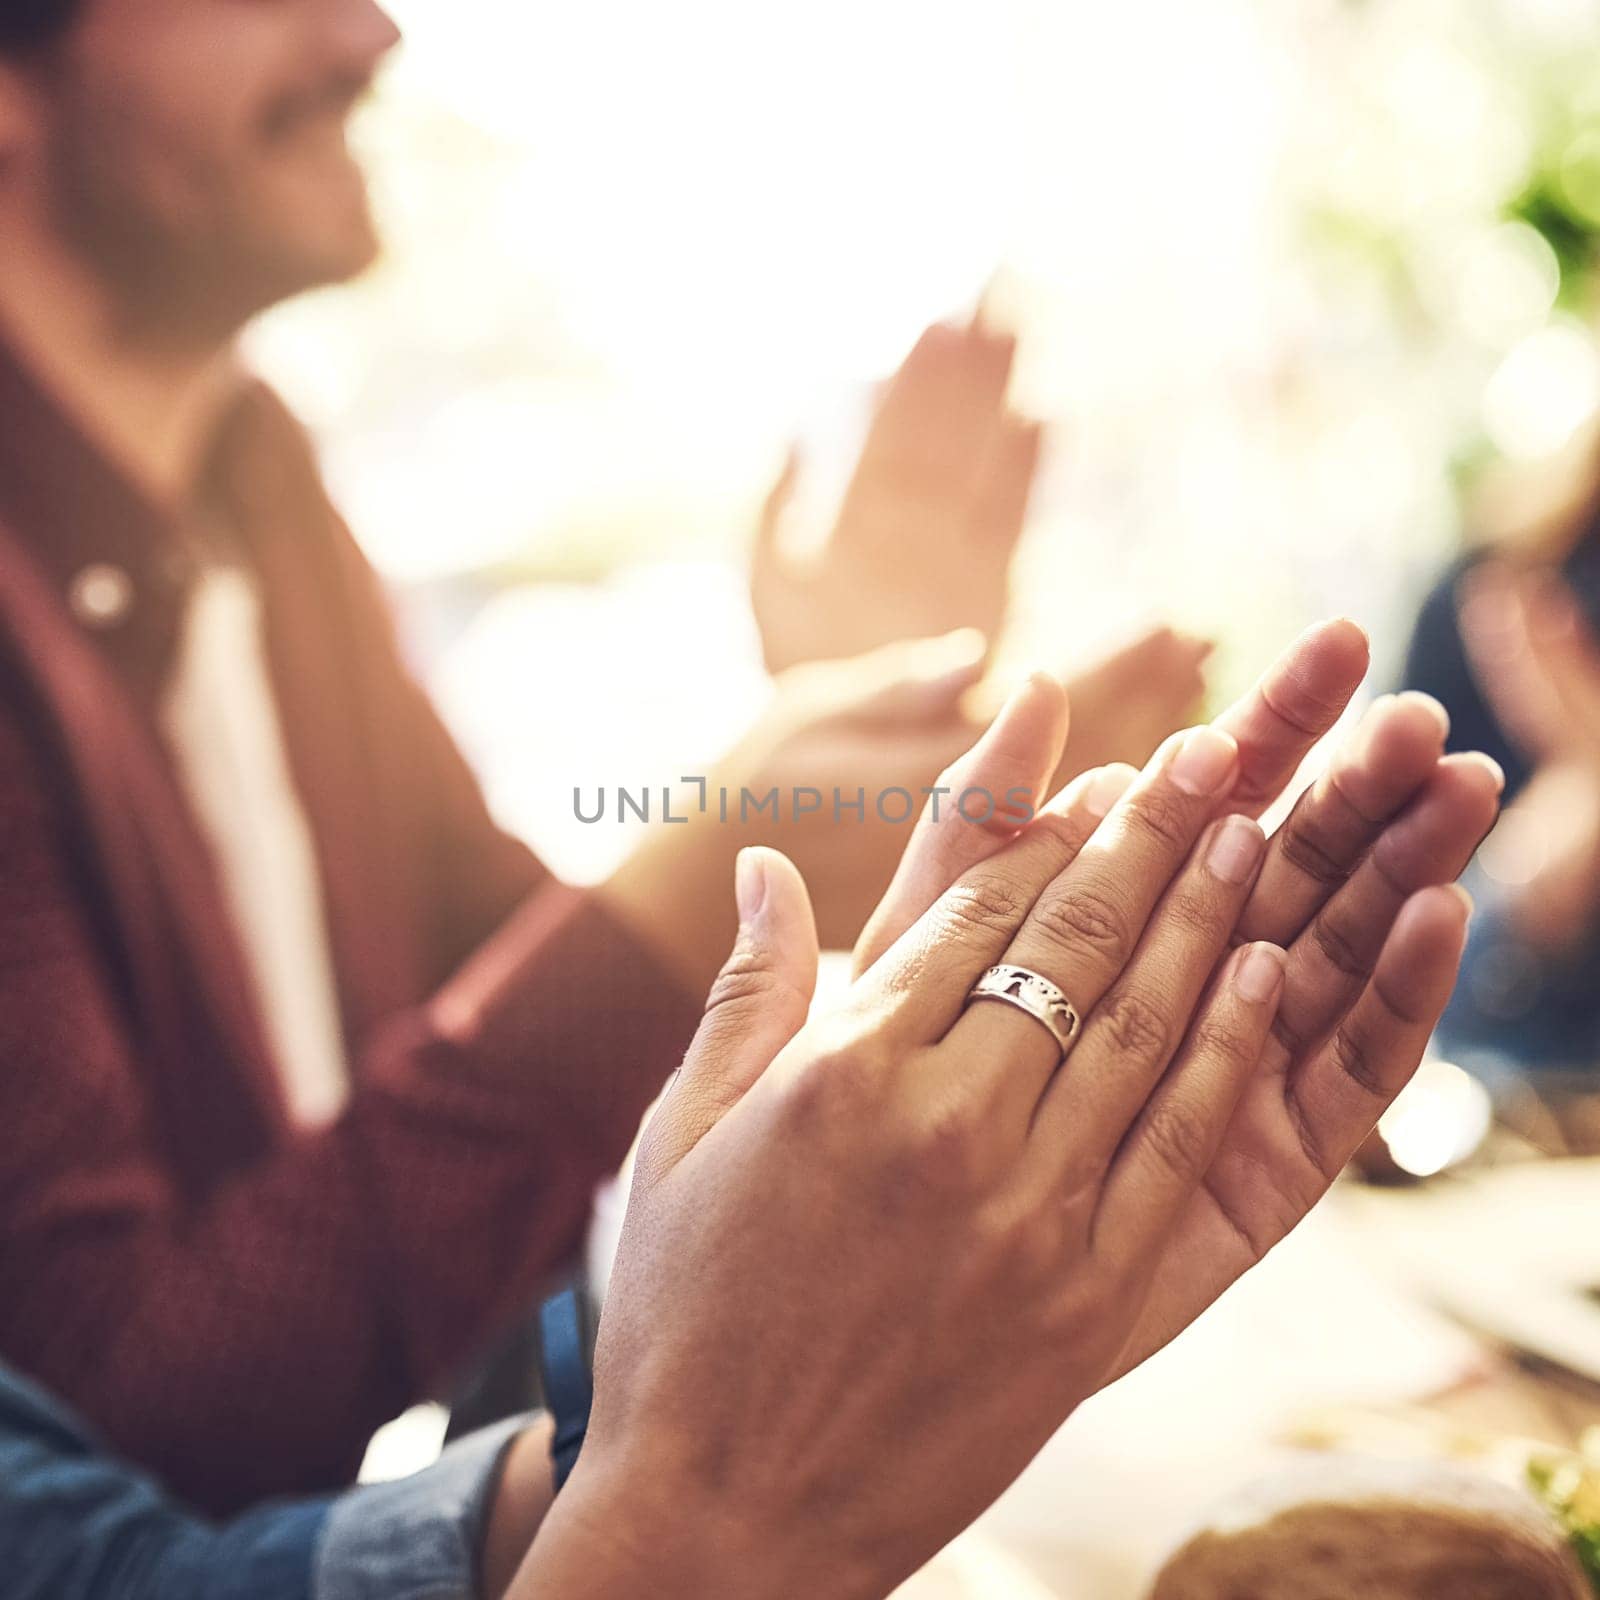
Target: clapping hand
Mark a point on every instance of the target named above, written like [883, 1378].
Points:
[1349, 890]
[1126, 703]
[874, 1258]
[924, 539]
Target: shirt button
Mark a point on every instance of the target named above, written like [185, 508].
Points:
[100, 595]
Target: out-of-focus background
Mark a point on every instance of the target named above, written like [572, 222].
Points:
[1306, 294]
[1292, 277]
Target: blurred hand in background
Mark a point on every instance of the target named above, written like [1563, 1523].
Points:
[1125, 704]
[930, 521]
[897, 717]
[891, 720]
[1537, 663]
[924, 544]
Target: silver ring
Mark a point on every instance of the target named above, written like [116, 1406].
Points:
[1041, 999]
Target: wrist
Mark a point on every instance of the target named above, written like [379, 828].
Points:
[615, 1534]
[608, 1540]
[517, 1509]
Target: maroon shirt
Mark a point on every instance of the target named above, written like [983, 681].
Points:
[236, 1302]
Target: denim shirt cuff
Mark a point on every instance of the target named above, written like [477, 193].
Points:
[419, 1538]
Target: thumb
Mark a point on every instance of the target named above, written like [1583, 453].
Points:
[1019, 752]
[757, 1004]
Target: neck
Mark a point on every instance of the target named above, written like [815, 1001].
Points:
[150, 401]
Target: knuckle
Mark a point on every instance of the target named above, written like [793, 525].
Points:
[1075, 1319]
[1172, 1138]
[1340, 948]
[1279, 1196]
[1165, 818]
[984, 904]
[1033, 1249]
[1220, 1038]
[1136, 1026]
[1294, 1037]
[748, 976]
[945, 1152]
[1083, 919]
[1357, 1063]
[1306, 850]
[1193, 911]
[1061, 834]
[842, 1082]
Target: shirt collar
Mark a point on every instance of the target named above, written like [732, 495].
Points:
[122, 562]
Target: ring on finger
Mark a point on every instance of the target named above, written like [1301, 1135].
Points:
[1034, 994]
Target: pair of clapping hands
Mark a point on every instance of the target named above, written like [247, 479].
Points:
[874, 1259]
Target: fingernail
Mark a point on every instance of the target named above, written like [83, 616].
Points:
[1466, 899]
[1033, 684]
[1205, 761]
[749, 883]
[1107, 787]
[1496, 771]
[1260, 975]
[1235, 848]
[1367, 730]
[1425, 702]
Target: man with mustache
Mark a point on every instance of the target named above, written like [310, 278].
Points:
[309, 1069]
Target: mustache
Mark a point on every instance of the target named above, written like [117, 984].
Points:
[336, 96]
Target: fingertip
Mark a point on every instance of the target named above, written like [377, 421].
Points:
[1351, 637]
[937, 339]
[1030, 729]
[1107, 786]
[1435, 920]
[749, 883]
[1049, 694]
[1338, 649]
[781, 873]
[1046, 684]
[779, 891]
[1425, 707]
[1396, 745]
[1258, 975]
[1475, 761]
[1298, 699]
[1476, 784]
[1094, 792]
[1205, 759]
[1434, 837]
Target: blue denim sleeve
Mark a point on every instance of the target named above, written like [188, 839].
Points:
[77, 1525]
[417, 1539]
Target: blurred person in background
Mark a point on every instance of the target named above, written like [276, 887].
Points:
[1507, 642]
[310, 1069]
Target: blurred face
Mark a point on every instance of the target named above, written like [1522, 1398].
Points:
[194, 151]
